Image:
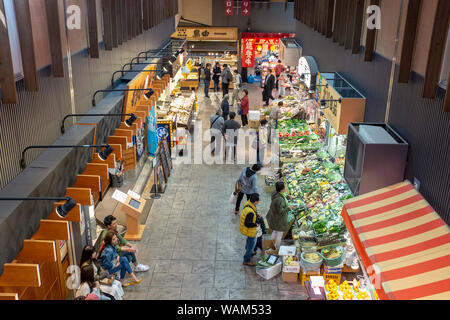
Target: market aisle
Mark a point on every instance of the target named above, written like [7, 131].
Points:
[192, 241]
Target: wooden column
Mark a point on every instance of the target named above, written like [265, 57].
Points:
[343, 21]
[436, 50]
[131, 14]
[140, 21]
[447, 96]
[123, 11]
[107, 24]
[93, 28]
[350, 25]
[115, 41]
[359, 18]
[370, 38]
[22, 8]
[409, 38]
[145, 9]
[119, 22]
[337, 21]
[54, 37]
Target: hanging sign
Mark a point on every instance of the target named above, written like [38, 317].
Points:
[229, 4]
[152, 136]
[245, 8]
[248, 53]
[164, 131]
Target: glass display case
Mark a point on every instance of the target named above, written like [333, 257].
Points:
[336, 144]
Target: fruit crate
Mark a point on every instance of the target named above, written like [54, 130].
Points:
[332, 276]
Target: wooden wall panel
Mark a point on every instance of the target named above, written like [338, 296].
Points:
[409, 38]
[107, 25]
[145, 12]
[54, 35]
[124, 12]
[343, 21]
[22, 9]
[437, 47]
[7, 81]
[40, 250]
[20, 275]
[119, 22]
[93, 29]
[357, 31]
[329, 19]
[139, 17]
[52, 230]
[447, 95]
[350, 24]
[337, 21]
[370, 38]
[115, 36]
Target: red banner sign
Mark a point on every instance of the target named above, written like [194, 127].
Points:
[245, 8]
[248, 53]
[229, 4]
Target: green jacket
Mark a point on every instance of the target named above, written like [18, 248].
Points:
[277, 217]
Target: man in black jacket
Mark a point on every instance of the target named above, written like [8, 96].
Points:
[207, 79]
[269, 84]
[225, 106]
[230, 131]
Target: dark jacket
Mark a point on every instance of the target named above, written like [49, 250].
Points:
[108, 258]
[277, 217]
[216, 74]
[207, 74]
[231, 125]
[248, 181]
[270, 83]
[225, 106]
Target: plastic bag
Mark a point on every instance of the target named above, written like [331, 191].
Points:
[233, 197]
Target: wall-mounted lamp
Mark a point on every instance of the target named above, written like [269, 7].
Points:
[148, 93]
[62, 210]
[164, 68]
[323, 102]
[103, 155]
[128, 122]
[322, 85]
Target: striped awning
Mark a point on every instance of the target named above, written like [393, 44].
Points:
[402, 241]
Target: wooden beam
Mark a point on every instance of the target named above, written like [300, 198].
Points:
[329, 19]
[139, 17]
[52, 230]
[145, 9]
[74, 215]
[358, 27]
[123, 11]
[101, 170]
[93, 29]
[115, 42]
[107, 25]
[22, 9]
[20, 275]
[90, 181]
[409, 38]
[9, 296]
[371, 35]
[343, 21]
[54, 37]
[132, 20]
[436, 50]
[447, 95]
[337, 21]
[119, 18]
[80, 195]
[37, 250]
[316, 15]
[350, 25]
[7, 79]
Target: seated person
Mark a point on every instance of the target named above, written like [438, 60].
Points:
[89, 285]
[108, 283]
[124, 249]
[110, 260]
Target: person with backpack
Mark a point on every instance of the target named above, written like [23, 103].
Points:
[216, 77]
[247, 184]
[249, 226]
[237, 83]
[216, 131]
[207, 78]
[225, 106]
[227, 78]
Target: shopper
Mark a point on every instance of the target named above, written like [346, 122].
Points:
[269, 83]
[225, 106]
[88, 284]
[248, 227]
[207, 79]
[123, 247]
[274, 116]
[216, 126]
[245, 108]
[282, 79]
[260, 231]
[277, 215]
[230, 132]
[262, 139]
[278, 70]
[110, 260]
[249, 184]
[227, 77]
[237, 83]
[216, 77]
[108, 284]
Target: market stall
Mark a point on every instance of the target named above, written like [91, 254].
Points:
[403, 243]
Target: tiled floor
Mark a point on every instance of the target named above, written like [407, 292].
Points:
[192, 241]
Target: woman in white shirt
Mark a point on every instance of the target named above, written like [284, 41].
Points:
[89, 285]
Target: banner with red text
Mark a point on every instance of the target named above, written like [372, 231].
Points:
[245, 8]
[229, 4]
[248, 53]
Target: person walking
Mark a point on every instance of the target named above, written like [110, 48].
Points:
[225, 106]
[277, 217]
[216, 77]
[207, 79]
[269, 83]
[227, 77]
[216, 126]
[237, 82]
[248, 227]
[278, 70]
[249, 184]
[230, 133]
[274, 116]
[245, 107]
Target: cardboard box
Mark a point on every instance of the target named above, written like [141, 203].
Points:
[295, 268]
[267, 242]
[335, 277]
[253, 124]
[289, 277]
[269, 273]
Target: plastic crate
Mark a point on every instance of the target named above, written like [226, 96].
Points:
[332, 276]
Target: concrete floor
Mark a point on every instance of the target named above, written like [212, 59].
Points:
[192, 241]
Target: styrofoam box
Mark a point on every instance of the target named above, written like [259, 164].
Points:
[269, 273]
[254, 115]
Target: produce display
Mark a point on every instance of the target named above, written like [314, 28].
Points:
[346, 291]
[179, 110]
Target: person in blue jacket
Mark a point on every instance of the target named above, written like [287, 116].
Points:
[248, 184]
[110, 260]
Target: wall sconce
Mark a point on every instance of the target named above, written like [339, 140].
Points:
[62, 210]
[128, 122]
[148, 93]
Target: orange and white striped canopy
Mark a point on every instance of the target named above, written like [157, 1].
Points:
[402, 241]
